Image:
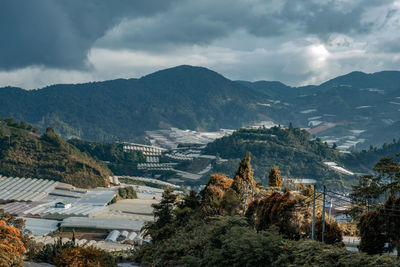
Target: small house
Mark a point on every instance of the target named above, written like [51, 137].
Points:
[63, 205]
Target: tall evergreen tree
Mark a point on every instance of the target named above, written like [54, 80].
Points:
[274, 177]
[243, 182]
[163, 216]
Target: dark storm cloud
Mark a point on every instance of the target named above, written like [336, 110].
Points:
[202, 22]
[60, 33]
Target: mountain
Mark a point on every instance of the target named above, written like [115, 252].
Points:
[353, 111]
[185, 97]
[25, 153]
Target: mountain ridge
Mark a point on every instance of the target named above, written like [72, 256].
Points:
[197, 98]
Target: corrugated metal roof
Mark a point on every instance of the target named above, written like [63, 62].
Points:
[74, 210]
[97, 197]
[103, 223]
[40, 227]
[26, 189]
[18, 208]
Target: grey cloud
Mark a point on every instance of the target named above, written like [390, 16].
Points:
[203, 22]
[60, 33]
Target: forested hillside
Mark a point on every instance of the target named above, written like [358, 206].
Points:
[185, 97]
[26, 153]
[120, 162]
[362, 160]
[291, 150]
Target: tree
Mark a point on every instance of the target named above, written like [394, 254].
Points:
[187, 207]
[79, 256]
[276, 210]
[333, 233]
[163, 216]
[243, 182]
[371, 226]
[274, 178]
[11, 246]
[374, 189]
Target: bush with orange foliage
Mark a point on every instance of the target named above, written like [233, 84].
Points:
[11, 246]
[214, 192]
[88, 257]
[278, 210]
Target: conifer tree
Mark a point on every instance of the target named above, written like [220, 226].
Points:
[274, 177]
[163, 216]
[243, 182]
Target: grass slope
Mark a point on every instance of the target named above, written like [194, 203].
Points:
[24, 153]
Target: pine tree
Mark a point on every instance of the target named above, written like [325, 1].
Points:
[243, 182]
[274, 177]
[163, 216]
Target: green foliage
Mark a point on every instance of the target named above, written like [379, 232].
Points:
[26, 154]
[127, 192]
[333, 233]
[381, 226]
[69, 254]
[113, 154]
[312, 253]
[374, 189]
[163, 216]
[124, 193]
[371, 156]
[371, 227]
[229, 241]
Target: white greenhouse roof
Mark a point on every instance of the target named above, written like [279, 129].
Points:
[102, 223]
[97, 197]
[26, 189]
[40, 227]
[74, 210]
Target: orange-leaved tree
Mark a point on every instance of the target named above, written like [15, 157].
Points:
[11, 246]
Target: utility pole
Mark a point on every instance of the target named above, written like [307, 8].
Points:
[323, 216]
[313, 217]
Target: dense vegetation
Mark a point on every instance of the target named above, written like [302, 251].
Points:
[69, 254]
[364, 160]
[120, 162]
[376, 207]
[24, 153]
[292, 150]
[210, 229]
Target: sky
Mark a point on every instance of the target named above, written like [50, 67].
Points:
[297, 42]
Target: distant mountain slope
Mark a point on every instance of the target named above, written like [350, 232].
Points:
[184, 97]
[353, 110]
[24, 153]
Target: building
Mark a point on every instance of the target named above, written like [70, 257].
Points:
[63, 205]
